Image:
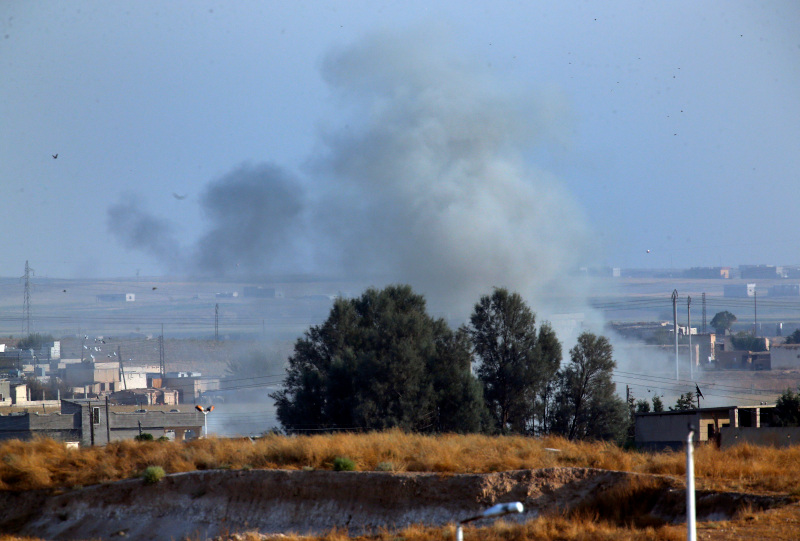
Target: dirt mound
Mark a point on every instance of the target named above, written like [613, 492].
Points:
[209, 503]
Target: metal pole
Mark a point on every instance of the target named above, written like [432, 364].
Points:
[691, 534]
[108, 426]
[675, 329]
[755, 313]
[689, 328]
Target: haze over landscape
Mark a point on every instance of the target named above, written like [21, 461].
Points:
[448, 146]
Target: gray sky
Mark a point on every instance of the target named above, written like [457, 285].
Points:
[464, 142]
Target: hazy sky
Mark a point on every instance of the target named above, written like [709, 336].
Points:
[423, 140]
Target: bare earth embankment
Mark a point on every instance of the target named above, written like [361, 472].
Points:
[285, 486]
[211, 503]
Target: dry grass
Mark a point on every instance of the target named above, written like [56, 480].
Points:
[45, 463]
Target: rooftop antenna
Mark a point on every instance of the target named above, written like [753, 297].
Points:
[26, 306]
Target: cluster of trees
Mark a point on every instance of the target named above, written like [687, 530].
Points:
[380, 361]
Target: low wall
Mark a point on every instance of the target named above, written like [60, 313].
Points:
[772, 436]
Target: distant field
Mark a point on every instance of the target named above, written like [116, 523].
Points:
[187, 308]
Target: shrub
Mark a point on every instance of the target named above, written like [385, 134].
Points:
[153, 474]
[144, 436]
[341, 463]
[384, 466]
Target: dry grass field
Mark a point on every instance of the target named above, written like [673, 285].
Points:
[46, 464]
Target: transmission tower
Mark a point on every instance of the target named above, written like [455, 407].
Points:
[26, 306]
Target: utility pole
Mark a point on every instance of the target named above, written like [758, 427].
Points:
[704, 312]
[108, 426]
[689, 330]
[91, 422]
[26, 306]
[675, 328]
[755, 313]
[161, 353]
[216, 322]
[122, 369]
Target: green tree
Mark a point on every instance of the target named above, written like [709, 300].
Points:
[35, 341]
[658, 404]
[588, 407]
[685, 402]
[643, 406]
[377, 362]
[787, 409]
[722, 322]
[516, 362]
[745, 341]
[793, 338]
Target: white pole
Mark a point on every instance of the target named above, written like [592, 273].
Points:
[691, 527]
[459, 533]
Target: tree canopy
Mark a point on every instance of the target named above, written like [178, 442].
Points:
[787, 409]
[723, 321]
[686, 401]
[587, 406]
[35, 341]
[517, 363]
[793, 338]
[379, 361]
[745, 341]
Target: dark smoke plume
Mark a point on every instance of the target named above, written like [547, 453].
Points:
[428, 184]
[137, 229]
[254, 215]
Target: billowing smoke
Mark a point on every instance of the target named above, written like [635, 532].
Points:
[138, 229]
[428, 182]
[254, 213]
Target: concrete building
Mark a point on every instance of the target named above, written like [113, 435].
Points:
[116, 297]
[785, 357]
[146, 397]
[190, 385]
[96, 423]
[785, 290]
[750, 272]
[708, 272]
[669, 429]
[739, 291]
[93, 377]
[744, 360]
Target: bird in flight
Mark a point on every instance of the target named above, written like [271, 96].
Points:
[55, 156]
[178, 196]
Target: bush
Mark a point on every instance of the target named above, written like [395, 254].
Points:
[144, 436]
[384, 466]
[341, 463]
[153, 474]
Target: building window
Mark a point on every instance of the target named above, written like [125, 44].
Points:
[96, 416]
